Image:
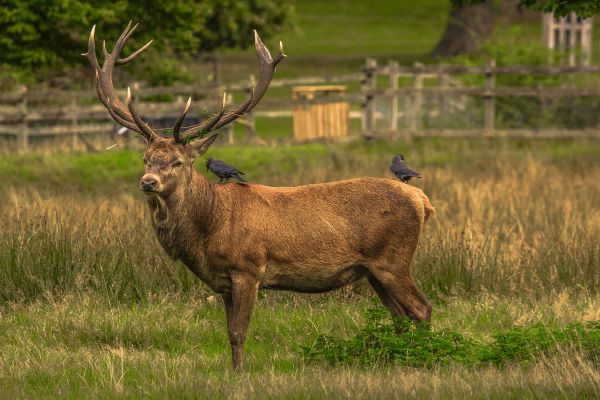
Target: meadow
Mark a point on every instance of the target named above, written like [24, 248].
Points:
[320, 43]
[90, 306]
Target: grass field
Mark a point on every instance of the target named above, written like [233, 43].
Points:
[91, 307]
[320, 42]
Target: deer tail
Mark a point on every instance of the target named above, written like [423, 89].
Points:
[429, 210]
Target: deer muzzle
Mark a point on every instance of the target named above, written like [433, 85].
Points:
[149, 183]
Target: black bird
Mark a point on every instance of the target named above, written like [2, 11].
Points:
[401, 170]
[223, 170]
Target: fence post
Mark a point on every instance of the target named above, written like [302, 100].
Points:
[229, 128]
[133, 138]
[369, 83]
[250, 125]
[489, 97]
[23, 133]
[249, 120]
[394, 75]
[73, 116]
[417, 100]
[216, 78]
[444, 84]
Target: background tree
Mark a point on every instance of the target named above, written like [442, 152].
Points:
[583, 8]
[471, 21]
[467, 26]
[51, 34]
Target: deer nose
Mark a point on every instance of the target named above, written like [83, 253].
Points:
[148, 184]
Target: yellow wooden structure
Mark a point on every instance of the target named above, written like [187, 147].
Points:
[321, 118]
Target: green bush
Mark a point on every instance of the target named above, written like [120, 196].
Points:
[378, 343]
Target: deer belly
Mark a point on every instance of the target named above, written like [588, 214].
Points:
[307, 279]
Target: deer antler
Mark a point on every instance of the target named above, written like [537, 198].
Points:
[128, 117]
[125, 116]
[266, 69]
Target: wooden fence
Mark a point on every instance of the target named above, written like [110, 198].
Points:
[456, 100]
[27, 115]
[418, 100]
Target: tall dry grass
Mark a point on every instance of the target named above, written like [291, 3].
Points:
[528, 228]
[74, 244]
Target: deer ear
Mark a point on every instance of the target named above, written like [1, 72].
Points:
[199, 147]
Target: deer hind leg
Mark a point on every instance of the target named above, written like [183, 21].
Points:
[399, 293]
[383, 296]
[238, 307]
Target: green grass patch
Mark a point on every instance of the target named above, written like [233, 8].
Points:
[331, 38]
[120, 169]
[177, 347]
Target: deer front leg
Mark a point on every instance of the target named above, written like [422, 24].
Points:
[238, 307]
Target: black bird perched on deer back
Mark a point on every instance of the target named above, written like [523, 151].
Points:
[401, 170]
[223, 170]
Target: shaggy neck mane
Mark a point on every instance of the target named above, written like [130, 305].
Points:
[187, 212]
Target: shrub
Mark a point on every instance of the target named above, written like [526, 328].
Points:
[377, 343]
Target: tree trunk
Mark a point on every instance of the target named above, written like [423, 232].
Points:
[466, 28]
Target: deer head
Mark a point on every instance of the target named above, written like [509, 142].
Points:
[169, 161]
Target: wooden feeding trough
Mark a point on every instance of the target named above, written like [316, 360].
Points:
[320, 112]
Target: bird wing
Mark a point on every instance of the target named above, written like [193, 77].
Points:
[404, 170]
[223, 167]
[397, 167]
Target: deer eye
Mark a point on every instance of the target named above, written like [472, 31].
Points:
[177, 164]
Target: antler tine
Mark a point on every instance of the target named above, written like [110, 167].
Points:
[125, 116]
[206, 126]
[266, 69]
[105, 101]
[107, 86]
[110, 61]
[146, 130]
[238, 112]
[133, 55]
[179, 121]
[104, 50]
[91, 53]
[110, 58]
[121, 43]
[125, 35]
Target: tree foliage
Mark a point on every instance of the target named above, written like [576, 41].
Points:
[583, 8]
[53, 33]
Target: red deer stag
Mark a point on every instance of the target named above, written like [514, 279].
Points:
[240, 238]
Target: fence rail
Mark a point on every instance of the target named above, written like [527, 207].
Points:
[491, 100]
[417, 100]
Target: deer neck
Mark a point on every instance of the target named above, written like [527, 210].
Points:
[187, 214]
